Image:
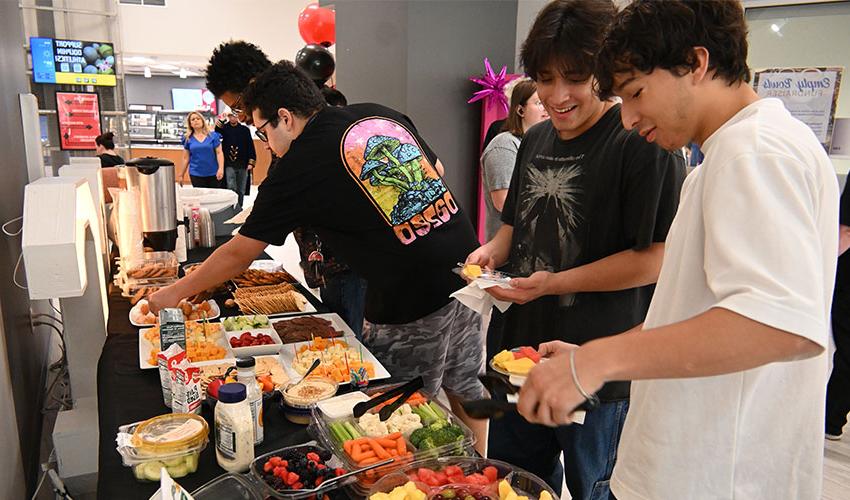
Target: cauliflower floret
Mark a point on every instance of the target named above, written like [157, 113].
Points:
[373, 426]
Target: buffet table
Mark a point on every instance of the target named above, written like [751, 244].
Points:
[128, 394]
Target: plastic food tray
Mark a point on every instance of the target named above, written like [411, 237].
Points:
[523, 482]
[320, 427]
[268, 491]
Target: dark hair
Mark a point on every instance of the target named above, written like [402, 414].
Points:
[334, 97]
[106, 140]
[566, 34]
[232, 65]
[519, 96]
[283, 85]
[652, 34]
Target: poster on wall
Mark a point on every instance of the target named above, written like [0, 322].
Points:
[79, 119]
[810, 94]
[193, 100]
[72, 62]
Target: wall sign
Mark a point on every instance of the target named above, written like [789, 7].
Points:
[810, 94]
[79, 119]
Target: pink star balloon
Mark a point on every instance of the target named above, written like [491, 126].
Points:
[494, 87]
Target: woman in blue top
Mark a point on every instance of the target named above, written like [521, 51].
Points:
[202, 154]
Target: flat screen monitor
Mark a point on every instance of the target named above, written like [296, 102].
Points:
[193, 100]
[72, 62]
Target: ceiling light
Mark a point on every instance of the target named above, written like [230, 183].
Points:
[147, 71]
[775, 28]
[138, 60]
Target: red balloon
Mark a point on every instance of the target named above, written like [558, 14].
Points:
[317, 25]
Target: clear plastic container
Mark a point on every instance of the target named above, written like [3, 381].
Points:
[173, 441]
[522, 482]
[229, 486]
[320, 426]
[141, 289]
[331, 460]
[150, 265]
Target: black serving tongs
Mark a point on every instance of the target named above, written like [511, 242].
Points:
[499, 386]
[406, 390]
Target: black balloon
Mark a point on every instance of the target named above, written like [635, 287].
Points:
[316, 61]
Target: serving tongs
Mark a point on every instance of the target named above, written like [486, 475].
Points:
[499, 386]
[406, 390]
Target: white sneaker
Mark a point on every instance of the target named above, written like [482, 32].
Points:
[833, 437]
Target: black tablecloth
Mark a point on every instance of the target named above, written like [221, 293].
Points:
[129, 394]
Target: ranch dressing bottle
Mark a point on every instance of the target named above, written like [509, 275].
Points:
[245, 375]
[234, 429]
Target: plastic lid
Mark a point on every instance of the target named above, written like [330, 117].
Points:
[170, 433]
[231, 393]
[246, 362]
[148, 161]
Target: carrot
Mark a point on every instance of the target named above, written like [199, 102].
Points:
[393, 436]
[360, 441]
[387, 442]
[393, 452]
[356, 452]
[379, 450]
[367, 454]
[367, 461]
[401, 447]
[347, 446]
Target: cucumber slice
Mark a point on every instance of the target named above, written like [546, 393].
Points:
[178, 471]
[152, 470]
[174, 462]
[192, 462]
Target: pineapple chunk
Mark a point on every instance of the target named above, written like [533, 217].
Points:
[472, 270]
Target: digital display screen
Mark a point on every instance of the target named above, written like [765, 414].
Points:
[72, 62]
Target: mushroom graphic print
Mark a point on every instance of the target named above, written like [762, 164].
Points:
[400, 181]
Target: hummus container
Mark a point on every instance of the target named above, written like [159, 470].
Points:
[299, 399]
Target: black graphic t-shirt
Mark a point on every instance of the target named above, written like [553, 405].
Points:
[364, 180]
[577, 201]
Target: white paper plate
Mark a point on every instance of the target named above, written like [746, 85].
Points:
[287, 354]
[215, 312]
[145, 348]
[268, 265]
[255, 350]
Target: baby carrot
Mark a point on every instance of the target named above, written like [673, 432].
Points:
[347, 446]
[393, 436]
[367, 461]
[387, 442]
[401, 446]
[379, 450]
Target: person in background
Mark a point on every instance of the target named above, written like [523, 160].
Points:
[109, 159]
[105, 150]
[341, 290]
[730, 366]
[499, 156]
[239, 154]
[202, 155]
[838, 388]
[585, 220]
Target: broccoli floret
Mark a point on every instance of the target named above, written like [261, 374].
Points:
[418, 435]
[427, 444]
[439, 424]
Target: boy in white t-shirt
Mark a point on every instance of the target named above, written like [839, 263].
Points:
[731, 359]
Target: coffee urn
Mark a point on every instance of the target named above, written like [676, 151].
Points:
[154, 178]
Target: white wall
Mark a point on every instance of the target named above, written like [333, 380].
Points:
[191, 29]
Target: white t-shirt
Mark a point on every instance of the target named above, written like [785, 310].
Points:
[756, 233]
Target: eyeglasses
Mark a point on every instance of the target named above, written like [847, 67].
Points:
[237, 106]
[262, 135]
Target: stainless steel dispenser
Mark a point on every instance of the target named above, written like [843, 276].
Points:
[154, 178]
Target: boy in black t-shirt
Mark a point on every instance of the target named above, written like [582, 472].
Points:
[367, 183]
[586, 216]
